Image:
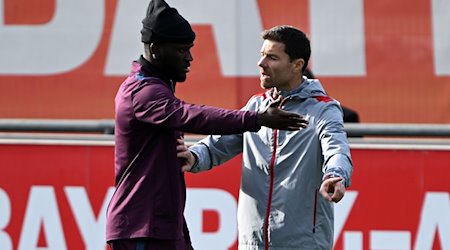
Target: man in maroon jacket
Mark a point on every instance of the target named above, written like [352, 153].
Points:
[146, 211]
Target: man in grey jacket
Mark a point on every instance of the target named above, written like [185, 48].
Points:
[290, 179]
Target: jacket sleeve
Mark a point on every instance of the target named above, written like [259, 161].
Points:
[154, 103]
[334, 143]
[215, 150]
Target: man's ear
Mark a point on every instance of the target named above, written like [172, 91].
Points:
[298, 64]
[154, 50]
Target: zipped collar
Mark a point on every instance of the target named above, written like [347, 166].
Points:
[148, 69]
[308, 88]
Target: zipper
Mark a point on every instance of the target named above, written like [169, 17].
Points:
[271, 173]
[269, 200]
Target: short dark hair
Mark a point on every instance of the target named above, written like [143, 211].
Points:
[296, 42]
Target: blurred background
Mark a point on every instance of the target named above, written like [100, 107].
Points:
[389, 63]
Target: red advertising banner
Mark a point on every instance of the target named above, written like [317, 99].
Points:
[55, 197]
[388, 60]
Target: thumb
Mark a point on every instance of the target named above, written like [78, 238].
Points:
[186, 168]
[276, 102]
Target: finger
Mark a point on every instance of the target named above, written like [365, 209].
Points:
[301, 119]
[276, 102]
[186, 168]
[293, 128]
[335, 188]
[181, 148]
[330, 183]
[291, 115]
[183, 154]
[338, 194]
[324, 190]
[297, 126]
[333, 180]
[302, 123]
[276, 94]
[324, 193]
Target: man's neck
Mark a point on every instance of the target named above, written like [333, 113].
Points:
[292, 85]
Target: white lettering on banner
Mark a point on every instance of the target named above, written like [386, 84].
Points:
[353, 240]
[342, 210]
[42, 213]
[441, 36]
[200, 199]
[5, 217]
[237, 33]
[125, 43]
[66, 42]
[42, 209]
[92, 228]
[387, 240]
[435, 218]
[337, 37]
[63, 44]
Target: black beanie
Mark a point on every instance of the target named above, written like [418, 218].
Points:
[164, 24]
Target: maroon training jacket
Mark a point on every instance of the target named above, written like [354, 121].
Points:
[150, 200]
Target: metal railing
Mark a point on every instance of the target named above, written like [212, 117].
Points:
[396, 129]
[106, 126]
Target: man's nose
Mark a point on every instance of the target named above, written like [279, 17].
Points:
[262, 62]
[189, 56]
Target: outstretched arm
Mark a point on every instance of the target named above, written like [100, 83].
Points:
[337, 166]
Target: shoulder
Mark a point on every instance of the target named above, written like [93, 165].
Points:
[150, 88]
[326, 106]
[260, 96]
[324, 99]
[257, 100]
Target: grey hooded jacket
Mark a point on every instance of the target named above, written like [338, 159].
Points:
[279, 204]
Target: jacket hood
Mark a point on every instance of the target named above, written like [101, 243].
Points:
[308, 88]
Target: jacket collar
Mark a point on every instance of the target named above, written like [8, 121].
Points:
[308, 88]
[148, 69]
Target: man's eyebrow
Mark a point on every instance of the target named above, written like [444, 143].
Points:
[270, 54]
[266, 52]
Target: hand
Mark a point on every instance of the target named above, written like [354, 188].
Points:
[183, 152]
[332, 189]
[276, 118]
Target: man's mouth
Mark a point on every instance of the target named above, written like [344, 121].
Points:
[264, 76]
